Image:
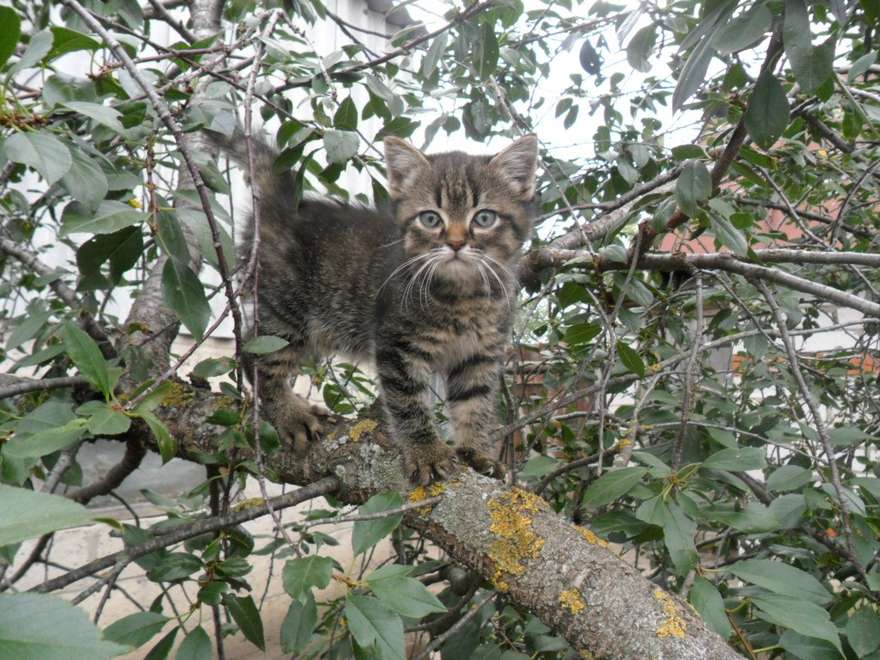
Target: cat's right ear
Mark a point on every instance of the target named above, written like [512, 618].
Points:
[404, 163]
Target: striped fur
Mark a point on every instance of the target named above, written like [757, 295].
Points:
[387, 288]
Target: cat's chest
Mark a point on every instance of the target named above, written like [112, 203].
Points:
[457, 336]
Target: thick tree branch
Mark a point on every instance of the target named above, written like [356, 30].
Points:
[543, 258]
[17, 385]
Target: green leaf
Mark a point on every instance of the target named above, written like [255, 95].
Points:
[346, 117]
[789, 477]
[486, 51]
[781, 578]
[174, 566]
[65, 40]
[136, 629]
[743, 31]
[811, 66]
[265, 344]
[402, 594]
[101, 114]
[801, 616]
[10, 31]
[744, 458]
[638, 51]
[196, 646]
[40, 44]
[768, 112]
[30, 325]
[212, 367]
[163, 647]
[110, 217]
[43, 627]
[172, 238]
[860, 66]
[184, 294]
[863, 631]
[340, 145]
[85, 354]
[108, 421]
[301, 575]
[848, 436]
[708, 602]
[630, 359]
[25, 514]
[693, 74]
[727, 234]
[807, 648]
[85, 180]
[43, 443]
[41, 151]
[122, 248]
[678, 536]
[368, 533]
[246, 615]
[694, 185]
[299, 625]
[166, 442]
[612, 485]
[372, 624]
[429, 61]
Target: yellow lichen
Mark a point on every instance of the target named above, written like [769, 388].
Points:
[674, 626]
[175, 394]
[571, 599]
[418, 494]
[363, 426]
[436, 490]
[515, 541]
[591, 537]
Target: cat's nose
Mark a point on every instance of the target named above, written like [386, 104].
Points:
[456, 243]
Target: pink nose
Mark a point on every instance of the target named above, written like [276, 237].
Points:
[456, 244]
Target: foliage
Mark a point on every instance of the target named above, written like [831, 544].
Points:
[728, 457]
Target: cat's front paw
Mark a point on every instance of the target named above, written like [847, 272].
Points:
[296, 420]
[425, 462]
[482, 463]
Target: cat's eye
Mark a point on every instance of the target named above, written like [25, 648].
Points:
[430, 219]
[485, 218]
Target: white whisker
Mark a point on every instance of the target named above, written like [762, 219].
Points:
[406, 263]
[495, 275]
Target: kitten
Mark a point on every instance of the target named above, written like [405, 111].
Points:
[427, 287]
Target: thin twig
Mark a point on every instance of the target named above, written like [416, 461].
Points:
[818, 422]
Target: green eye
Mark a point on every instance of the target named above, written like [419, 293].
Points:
[430, 219]
[485, 218]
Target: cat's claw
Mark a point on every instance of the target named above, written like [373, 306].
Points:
[297, 421]
[425, 463]
[482, 463]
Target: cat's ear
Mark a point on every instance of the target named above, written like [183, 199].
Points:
[404, 163]
[516, 166]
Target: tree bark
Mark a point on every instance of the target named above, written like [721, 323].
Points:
[561, 572]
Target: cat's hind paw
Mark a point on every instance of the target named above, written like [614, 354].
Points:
[427, 462]
[481, 462]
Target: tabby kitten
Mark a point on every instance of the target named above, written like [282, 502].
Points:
[427, 287]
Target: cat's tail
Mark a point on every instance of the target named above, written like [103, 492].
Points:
[275, 185]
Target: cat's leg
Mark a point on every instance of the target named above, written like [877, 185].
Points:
[471, 389]
[296, 420]
[404, 378]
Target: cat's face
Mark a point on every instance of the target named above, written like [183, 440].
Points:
[464, 218]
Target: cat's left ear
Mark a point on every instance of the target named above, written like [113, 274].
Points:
[516, 166]
[404, 164]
